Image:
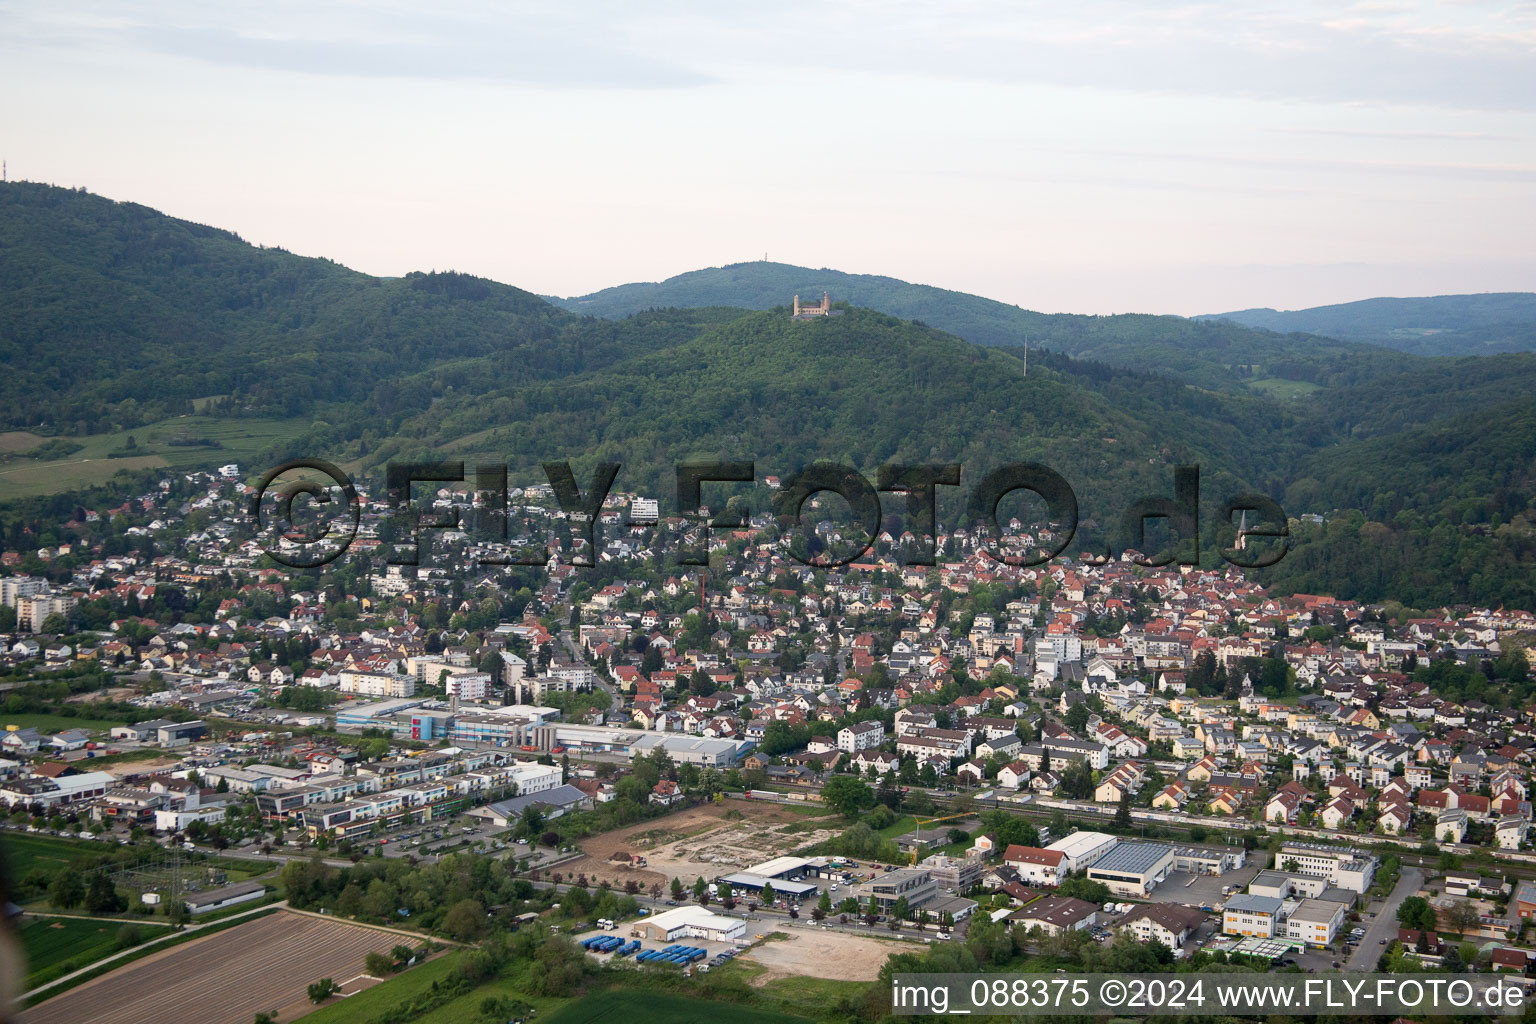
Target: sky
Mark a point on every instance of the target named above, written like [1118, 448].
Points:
[1091, 157]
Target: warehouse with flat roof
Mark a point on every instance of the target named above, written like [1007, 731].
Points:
[787, 867]
[749, 882]
[1133, 869]
[1082, 849]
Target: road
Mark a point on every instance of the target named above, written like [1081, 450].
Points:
[598, 680]
[1385, 926]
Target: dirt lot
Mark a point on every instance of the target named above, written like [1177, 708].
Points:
[709, 841]
[824, 954]
[226, 978]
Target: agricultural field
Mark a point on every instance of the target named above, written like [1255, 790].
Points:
[227, 978]
[157, 445]
[634, 1007]
[708, 840]
[55, 946]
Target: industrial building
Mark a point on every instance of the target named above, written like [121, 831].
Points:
[227, 896]
[692, 922]
[1343, 867]
[684, 749]
[1283, 886]
[1315, 922]
[1204, 860]
[787, 867]
[1254, 916]
[1083, 849]
[749, 882]
[1133, 869]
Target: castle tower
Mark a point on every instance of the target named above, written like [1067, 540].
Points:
[797, 305]
[826, 302]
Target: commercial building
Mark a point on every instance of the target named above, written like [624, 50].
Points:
[915, 885]
[684, 749]
[478, 729]
[1083, 849]
[788, 867]
[692, 922]
[1254, 916]
[1315, 922]
[552, 803]
[749, 882]
[66, 789]
[1133, 869]
[1282, 886]
[1202, 860]
[175, 734]
[367, 714]
[1343, 867]
[954, 873]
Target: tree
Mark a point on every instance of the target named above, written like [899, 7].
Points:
[677, 888]
[378, 964]
[1462, 916]
[465, 920]
[847, 795]
[1123, 812]
[320, 991]
[769, 896]
[67, 889]
[103, 897]
[1416, 913]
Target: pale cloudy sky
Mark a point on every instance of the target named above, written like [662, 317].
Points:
[1085, 157]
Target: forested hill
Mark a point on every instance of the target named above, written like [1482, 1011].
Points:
[1446, 325]
[1212, 353]
[117, 314]
[118, 319]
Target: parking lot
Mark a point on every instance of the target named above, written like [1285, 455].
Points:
[1206, 890]
[717, 952]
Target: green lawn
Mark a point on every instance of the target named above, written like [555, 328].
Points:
[371, 1002]
[238, 439]
[56, 723]
[467, 1006]
[26, 853]
[1283, 389]
[626, 1007]
[57, 945]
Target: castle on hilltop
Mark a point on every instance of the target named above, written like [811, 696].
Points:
[822, 308]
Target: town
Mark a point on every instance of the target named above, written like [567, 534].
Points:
[1065, 752]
